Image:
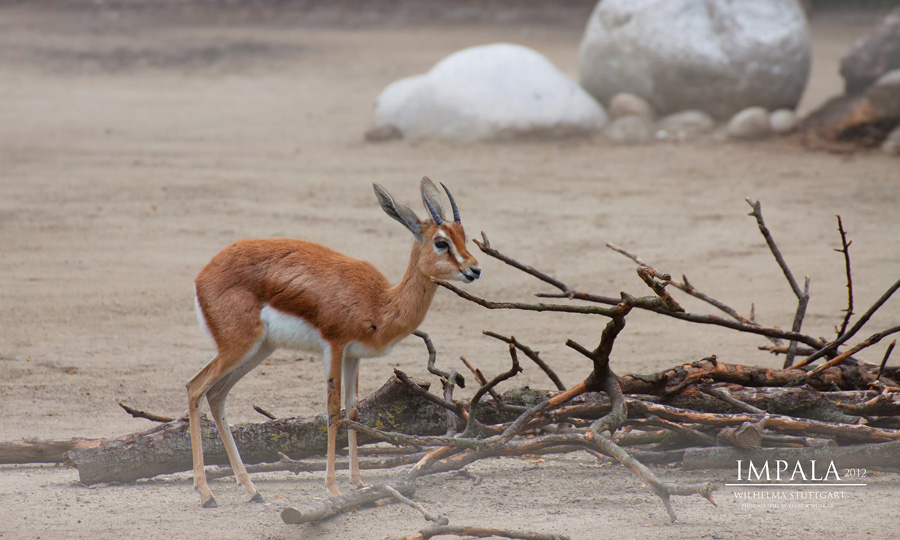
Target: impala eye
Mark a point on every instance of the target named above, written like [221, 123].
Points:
[441, 244]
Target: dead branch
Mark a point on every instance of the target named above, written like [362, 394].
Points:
[748, 327]
[440, 520]
[688, 288]
[584, 310]
[871, 340]
[432, 356]
[567, 292]
[473, 406]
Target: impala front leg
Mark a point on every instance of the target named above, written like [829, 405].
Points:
[333, 384]
[351, 385]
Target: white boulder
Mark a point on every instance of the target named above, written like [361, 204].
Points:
[491, 92]
[717, 56]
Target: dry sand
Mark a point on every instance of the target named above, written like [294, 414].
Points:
[135, 144]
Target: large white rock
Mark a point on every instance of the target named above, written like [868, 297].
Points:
[492, 92]
[717, 56]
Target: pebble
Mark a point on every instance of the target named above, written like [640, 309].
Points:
[626, 104]
[782, 121]
[631, 129]
[751, 123]
[685, 124]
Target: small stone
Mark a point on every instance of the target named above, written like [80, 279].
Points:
[686, 124]
[387, 132]
[626, 104]
[891, 144]
[783, 121]
[631, 129]
[751, 123]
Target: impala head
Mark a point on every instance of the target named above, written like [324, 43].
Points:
[441, 247]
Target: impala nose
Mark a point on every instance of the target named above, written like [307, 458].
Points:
[474, 272]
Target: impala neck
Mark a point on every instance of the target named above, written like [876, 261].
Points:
[409, 300]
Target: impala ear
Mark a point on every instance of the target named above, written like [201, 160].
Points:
[399, 211]
[431, 197]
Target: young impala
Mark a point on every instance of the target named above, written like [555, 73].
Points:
[258, 295]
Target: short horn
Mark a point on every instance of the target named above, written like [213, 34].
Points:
[452, 204]
[433, 211]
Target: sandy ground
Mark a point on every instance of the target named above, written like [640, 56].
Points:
[135, 145]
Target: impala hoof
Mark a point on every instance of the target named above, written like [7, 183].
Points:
[256, 498]
[211, 503]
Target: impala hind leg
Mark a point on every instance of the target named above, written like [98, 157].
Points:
[197, 388]
[351, 384]
[216, 399]
[334, 355]
[215, 374]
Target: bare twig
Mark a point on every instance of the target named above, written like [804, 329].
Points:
[485, 247]
[802, 295]
[773, 247]
[264, 412]
[658, 282]
[845, 246]
[802, 302]
[532, 354]
[853, 330]
[513, 371]
[887, 354]
[148, 416]
[432, 355]
[439, 519]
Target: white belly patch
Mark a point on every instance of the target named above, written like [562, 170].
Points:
[290, 332]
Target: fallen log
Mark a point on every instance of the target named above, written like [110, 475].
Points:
[166, 449]
[672, 381]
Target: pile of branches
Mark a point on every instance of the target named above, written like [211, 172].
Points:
[703, 415]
